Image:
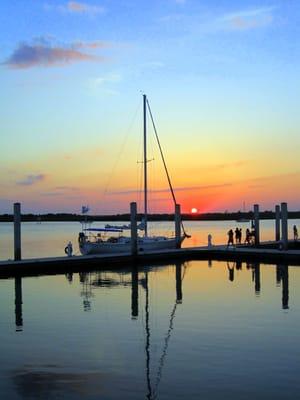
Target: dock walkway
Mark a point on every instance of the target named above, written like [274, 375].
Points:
[53, 265]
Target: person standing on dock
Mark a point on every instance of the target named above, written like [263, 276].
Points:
[230, 238]
[248, 236]
[237, 235]
[295, 230]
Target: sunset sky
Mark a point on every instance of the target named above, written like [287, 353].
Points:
[223, 81]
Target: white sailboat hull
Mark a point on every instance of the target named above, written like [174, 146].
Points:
[144, 244]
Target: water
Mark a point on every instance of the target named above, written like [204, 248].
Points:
[194, 330]
[50, 238]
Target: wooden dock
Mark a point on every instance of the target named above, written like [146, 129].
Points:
[52, 265]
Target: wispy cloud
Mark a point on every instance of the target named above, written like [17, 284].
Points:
[176, 189]
[153, 65]
[97, 44]
[248, 19]
[84, 8]
[234, 164]
[207, 23]
[105, 79]
[66, 191]
[75, 7]
[31, 180]
[43, 53]
[67, 188]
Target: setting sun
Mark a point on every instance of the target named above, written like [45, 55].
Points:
[194, 210]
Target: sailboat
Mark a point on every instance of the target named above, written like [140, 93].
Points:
[243, 219]
[98, 240]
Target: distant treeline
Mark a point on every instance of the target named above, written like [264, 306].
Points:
[151, 217]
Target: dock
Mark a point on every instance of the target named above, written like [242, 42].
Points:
[280, 251]
[54, 265]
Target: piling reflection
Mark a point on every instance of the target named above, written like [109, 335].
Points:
[230, 267]
[134, 293]
[256, 277]
[18, 304]
[178, 283]
[282, 277]
[136, 277]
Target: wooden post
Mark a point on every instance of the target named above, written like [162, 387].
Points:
[177, 226]
[284, 225]
[277, 223]
[17, 231]
[133, 228]
[256, 224]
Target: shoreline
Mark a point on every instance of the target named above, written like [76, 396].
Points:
[66, 217]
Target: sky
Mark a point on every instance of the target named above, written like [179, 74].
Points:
[222, 79]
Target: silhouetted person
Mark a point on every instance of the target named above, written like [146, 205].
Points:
[230, 238]
[237, 235]
[252, 236]
[248, 236]
[240, 236]
[231, 272]
[295, 230]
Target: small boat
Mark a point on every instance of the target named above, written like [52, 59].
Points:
[100, 240]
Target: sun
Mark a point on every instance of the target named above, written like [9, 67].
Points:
[194, 210]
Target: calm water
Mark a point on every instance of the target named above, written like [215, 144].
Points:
[194, 330]
[50, 238]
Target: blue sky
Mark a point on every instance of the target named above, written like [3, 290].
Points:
[222, 77]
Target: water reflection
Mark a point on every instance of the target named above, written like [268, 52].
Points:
[44, 382]
[256, 277]
[160, 322]
[282, 277]
[18, 304]
[135, 278]
[134, 293]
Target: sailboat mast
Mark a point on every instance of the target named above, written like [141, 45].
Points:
[145, 163]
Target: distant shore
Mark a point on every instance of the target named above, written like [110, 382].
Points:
[64, 217]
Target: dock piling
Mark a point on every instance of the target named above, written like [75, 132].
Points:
[277, 223]
[133, 228]
[256, 224]
[17, 231]
[177, 226]
[284, 225]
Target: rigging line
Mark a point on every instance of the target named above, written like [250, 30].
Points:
[121, 150]
[164, 163]
[164, 353]
[167, 339]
